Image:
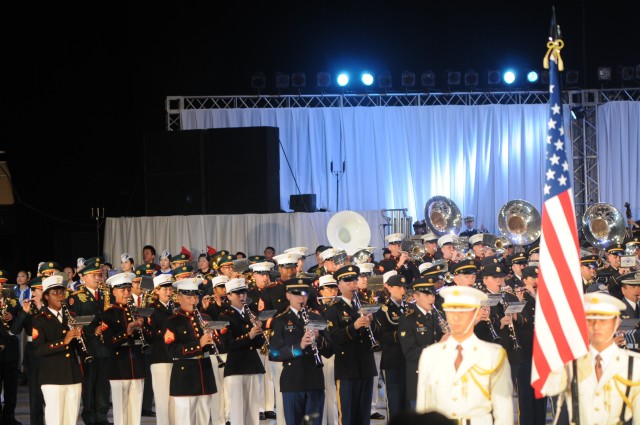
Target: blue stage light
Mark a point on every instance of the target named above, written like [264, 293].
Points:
[367, 78]
[343, 79]
[532, 77]
[509, 77]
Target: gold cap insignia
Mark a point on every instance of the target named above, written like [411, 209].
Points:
[456, 292]
[498, 269]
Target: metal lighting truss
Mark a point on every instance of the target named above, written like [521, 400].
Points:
[583, 131]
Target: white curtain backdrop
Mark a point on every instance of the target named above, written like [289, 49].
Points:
[394, 157]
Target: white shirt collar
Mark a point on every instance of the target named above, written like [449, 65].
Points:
[605, 354]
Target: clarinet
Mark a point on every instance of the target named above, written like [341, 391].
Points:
[374, 344]
[216, 352]
[171, 305]
[252, 319]
[71, 323]
[444, 325]
[141, 337]
[512, 330]
[314, 345]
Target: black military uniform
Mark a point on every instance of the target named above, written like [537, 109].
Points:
[354, 362]
[416, 331]
[392, 363]
[24, 321]
[409, 270]
[632, 337]
[515, 281]
[9, 356]
[302, 380]
[611, 272]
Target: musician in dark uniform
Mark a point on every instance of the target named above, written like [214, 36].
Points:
[192, 383]
[477, 245]
[30, 309]
[300, 351]
[327, 291]
[332, 260]
[219, 301]
[121, 333]
[56, 346]
[470, 230]
[9, 353]
[430, 241]
[161, 362]
[588, 270]
[352, 338]
[612, 271]
[365, 294]
[89, 299]
[399, 260]
[418, 329]
[446, 249]
[630, 288]
[319, 260]
[392, 363]
[517, 262]
[243, 338]
[261, 275]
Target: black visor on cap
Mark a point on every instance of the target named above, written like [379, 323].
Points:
[352, 278]
[189, 292]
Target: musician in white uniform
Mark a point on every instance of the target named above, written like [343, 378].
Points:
[465, 378]
[608, 376]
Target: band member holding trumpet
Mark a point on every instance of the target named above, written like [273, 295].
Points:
[352, 337]
[399, 260]
[392, 363]
[192, 383]
[126, 368]
[54, 343]
[430, 247]
[300, 350]
[243, 338]
[419, 328]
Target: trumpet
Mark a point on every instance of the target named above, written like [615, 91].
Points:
[254, 320]
[71, 322]
[374, 344]
[314, 344]
[143, 340]
[214, 347]
[444, 325]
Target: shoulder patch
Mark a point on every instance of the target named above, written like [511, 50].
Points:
[169, 337]
[82, 297]
[13, 302]
[71, 300]
[34, 333]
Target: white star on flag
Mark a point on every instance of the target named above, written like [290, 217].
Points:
[562, 180]
[550, 174]
[552, 124]
[547, 189]
[556, 109]
[565, 166]
[561, 131]
[555, 160]
[559, 145]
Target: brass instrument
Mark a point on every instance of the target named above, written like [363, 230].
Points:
[134, 309]
[71, 322]
[444, 325]
[603, 225]
[415, 249]
[214, 347]
[519, 222]
[374, 344]
[442, 216]
[462, 249]
[448, 279]
[361, 257]
[253, 319]
[314, 345]
[515, 344]
[348, 231]
[498, 244]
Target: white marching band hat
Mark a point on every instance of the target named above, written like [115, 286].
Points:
[462, 298]
[162, 280]
[222, 280]
[288, 258]
[387, 275]
[394, 237]
[121, 279]
[329, 253]
[598, 305]
[125, 257]
[327, 279]
[302, 250]
[445, 240]
[478, 237]
[265, 266]
[188, 285]
[366, 268]
[429, 237]
[424, 266]
[237, 284]
[55, 281]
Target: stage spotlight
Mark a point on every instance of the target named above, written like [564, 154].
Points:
[323, 79]
[572, 77]
[298, 80]
[509, 77]
[493, 78]
[385, 80]
[343, 79]
[626, 73]
[604, 73]
[428, 79]
[532, 77]
[367, 78]
[453, 78]
[578, 112]
[408, 79]
[258, 81]
[471, 78]
[282, 80]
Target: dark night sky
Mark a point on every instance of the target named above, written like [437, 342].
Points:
[88, 82]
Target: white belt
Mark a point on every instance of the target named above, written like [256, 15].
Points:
[29, 338]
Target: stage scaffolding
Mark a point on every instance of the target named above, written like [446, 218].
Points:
[583, 131]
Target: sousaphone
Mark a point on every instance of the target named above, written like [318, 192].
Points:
[519, 221]
[603, 225]
[442, 216]
[349, 231]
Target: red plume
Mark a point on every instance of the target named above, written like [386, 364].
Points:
[211, 250]
[186, 251]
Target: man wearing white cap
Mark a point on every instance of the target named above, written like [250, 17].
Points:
[57, 347]
[302, 250]
[331, 258]
[399, 259]
[243, 338]
[365, 294]
[465, 378]
[608, 376]
[121, 334]
[430, 247]
[445, 243]
[161, 362]
[192, 383]
[470, 230]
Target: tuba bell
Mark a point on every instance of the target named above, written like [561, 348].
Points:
[603, 225]
[519, 222]
[362, 256]
[442, 216]
[349, 231]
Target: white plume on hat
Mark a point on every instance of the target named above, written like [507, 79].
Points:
[125, 257]
[165, 254]
[79, 264]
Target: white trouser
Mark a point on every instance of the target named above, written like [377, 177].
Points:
[220, 400]
[377, 355]
[276, 371]
[268, 384]
[244, 404]
[126, 397]
[330, 416]
[192, 410]
[160, 380]
[62, 403]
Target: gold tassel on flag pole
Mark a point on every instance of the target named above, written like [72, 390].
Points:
[553, 48]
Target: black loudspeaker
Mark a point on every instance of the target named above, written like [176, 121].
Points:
[215, 171]
[303, 203]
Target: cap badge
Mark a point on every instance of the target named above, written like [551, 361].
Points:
[595, 301]
[456, 292]
[50, 264]
[402, 280]
[300, 281]
[498, 270]
[438, 268]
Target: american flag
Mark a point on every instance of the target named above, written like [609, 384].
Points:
[560, 334]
